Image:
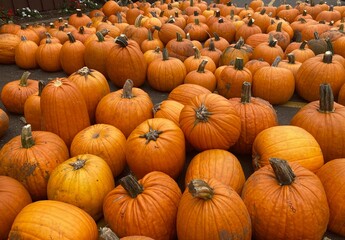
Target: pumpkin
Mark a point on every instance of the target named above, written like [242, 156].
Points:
[290, 63]
[281, 35]
[256, 115]
[274, 84]
[233, 51]
[268, 51]
[58, 114]
[48, 56]
[31, 157]
[15, 93]
[166, 73]
[4, 122]
[197, 30]
[294, 194]
[32, 108]
[210, 209]
[110, 7]
[202, 77]
[168, 32]
[151, 43]
[156, 137]
[154, 198]
[219, 42]
[332, 177]
[25, 54]
[290, 143]
[316, 44]
[303, 53]
[223, 28]
[169, 109]
[129, 60]
[255, 64]
[9, 27]
[87, 170]
[180, 47]
[130, 103]
[42, 219]
[262, 19]
[246, 30]
[209, 121]
[323, 119]
[104, 141]
[79, 19]
[28, 33]
[136, 32]
[8, 44]
[93, 85]
[13, 198]
[106, 233]
[151, 55]
[318, 70]
[212, 52]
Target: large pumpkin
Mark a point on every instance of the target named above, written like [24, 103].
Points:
[59, 115]
[209, 121]
[286, 202]
[13, 198]
[49, 219]
[291, 143]
[157, 144]
[102, 140]
[212, 210]
[31, 157]
[86, 170]
[125, 108]
[146, 207]
[332, 176]
[8, 44]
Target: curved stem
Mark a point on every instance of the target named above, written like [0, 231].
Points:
[122, 40]
[201, 67]
[326, 102]
[291, 58]
[71, 37]
[282, 171]
[131, 185]
[200, 189]
[24, 79]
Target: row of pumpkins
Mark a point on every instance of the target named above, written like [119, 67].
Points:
[81, 136]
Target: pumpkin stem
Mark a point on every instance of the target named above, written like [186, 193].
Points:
[276, 61]
[106, 233]
[239, 43]
[326, 102]
[149, 36]
[246, 93]
[279, 27]
[156, 108]
[26, 137]
[251, 22]
[85, 71]
[79, 12]
[78, 164]
[201, 114]
[165, 54]
[100, 36]
[131, 185]
[211, 46]
[327, 57]
[127, 89]
[282, 171]
[216, 36]
[200, 189]
[329, 45]
[152, 134]
[137, 22]
[238, 63]
[24, 79]
[179, 37]
[291, 58]
[122, 40]
[303, 44]
[197, 54]
[71, 37]
[201, 68]
[41, 85]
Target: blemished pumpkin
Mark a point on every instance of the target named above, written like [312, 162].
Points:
[42, 219]
[209, 121]
[210, 209]
[58, 114]
[295, 194]
[87, 170]
[15, 92]
[154, 198]
[219, 164]
[31, 157]
[13, 198]
[156, 137]
[291, 143]
[4, 122]
[130, 103]
[332, 176]
[102, 140]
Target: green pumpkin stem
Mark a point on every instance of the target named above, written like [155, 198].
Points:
[78, 164]
[326, 102]
[246, 93]
[24, 79]
[131, 185]
[149, 36]
[238, 63]
[282, 171]
[201, 67]
[179, 37]
[239, 43]
[106, 233]
[200, 189]
[127, 89]
[279, 27]
[26, 137]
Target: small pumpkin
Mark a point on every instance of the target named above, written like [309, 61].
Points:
[202, 77]
[25, 54]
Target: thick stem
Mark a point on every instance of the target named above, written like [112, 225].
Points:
[26, 137]
[122, 40]
[239, 63]
[211, 47]
[276, 61]
[24, 79]
[127, 89]
[79, 12]
[246, 93]
[216, 36]
[100, 37]
[165, 54]
[328, 57]
[137, 22]
[106, 233]
[326, 102]
[303, 44]
[201, 68]
[197, 54]
[239, 43]
[179, 37]
[84, 71]
[71, 37]
[151, 135]
[200, 189]
[131, 185]
[282, 171]
[81, 30]
[78, 164]
[273, 42]
[202, 114]
[329, 45]
[251, 22]
[156, 108]
[291, 58]
[279, 27]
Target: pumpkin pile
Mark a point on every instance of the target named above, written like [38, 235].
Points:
[98, 151]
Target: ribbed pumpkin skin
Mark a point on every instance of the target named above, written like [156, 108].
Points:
[185, 92]
[222, 126]
[294, 144]
[219, 164]
[32, 166]
[332, 176]
[8, 44]
[169, 109]
[224, 216]
[105, 141]
[296, 211]
[32, 111]
[4, 122]
[25, 54]
[63, 108]
[49, 219]
[84, 184]
[165, 154]
[152, 213]
[13, 197]
[48, 56]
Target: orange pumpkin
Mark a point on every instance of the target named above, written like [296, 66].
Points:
[31, 157]
[13, 198]
[25, 54]
[169, 109]
[202, 77]
[79, 19]
[154, 198]
[48, 56]
[209, 121]
[43, 218]
[4, 122]
[186, 92]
